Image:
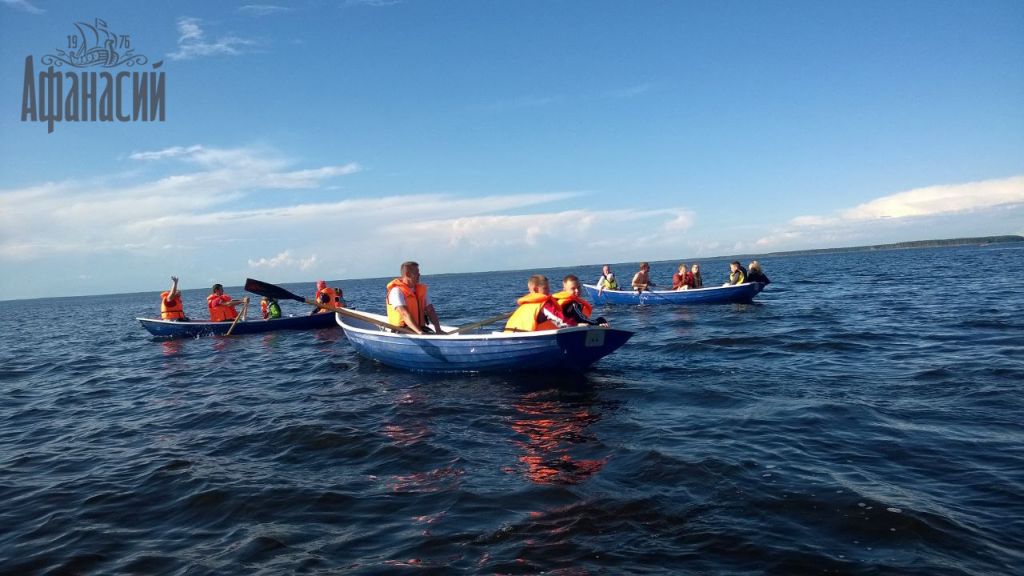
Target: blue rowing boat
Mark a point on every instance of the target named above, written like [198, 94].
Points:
[195, 328]
[568, 349]
[740, 293]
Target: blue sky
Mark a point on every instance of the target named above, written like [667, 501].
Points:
[335, 139]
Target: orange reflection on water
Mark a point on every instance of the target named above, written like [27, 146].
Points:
[551, 428]
[171, 347]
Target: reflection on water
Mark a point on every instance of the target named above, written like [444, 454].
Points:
[551, 429]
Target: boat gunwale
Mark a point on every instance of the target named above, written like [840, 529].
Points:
[466, 337]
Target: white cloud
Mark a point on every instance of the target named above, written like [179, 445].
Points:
[192, 42]
[284, 260]
[215, 202]
[912, 208]
[25, 6]
[92, 217]
[628, 92]
[941, 200]
[259, 10]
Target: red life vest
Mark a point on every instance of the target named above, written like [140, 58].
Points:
[218, 311]
[415, 302]
[171, 309]
[564, 298]
[524, 319]
[334, 296]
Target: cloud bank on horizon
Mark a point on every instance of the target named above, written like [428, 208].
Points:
[185, 203]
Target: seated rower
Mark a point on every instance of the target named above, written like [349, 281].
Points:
[170, 303]
[737, 274]
[607, 280]
[698, 281]
[408, 303]
[222, 307]
[683, 280]
[575, 309]
[537, 309]
[642, 279]
[755, 274]
[270, 309]
[329, 296]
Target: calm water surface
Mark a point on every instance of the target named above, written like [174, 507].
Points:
[863, 417]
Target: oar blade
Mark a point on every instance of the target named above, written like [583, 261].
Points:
[270, 290]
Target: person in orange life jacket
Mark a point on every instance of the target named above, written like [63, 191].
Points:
[537, 309]
[575, 309]
[329, 296]
[222, 307]
[642, 279]
[408, 303]
[170, 303]
[737, 274]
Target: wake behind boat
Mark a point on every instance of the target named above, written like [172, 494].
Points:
[194, 328]
[738, 294]
[569, 349]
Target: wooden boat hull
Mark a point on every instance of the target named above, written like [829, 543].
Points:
[194, 329]
[569, 349]
[738, 294]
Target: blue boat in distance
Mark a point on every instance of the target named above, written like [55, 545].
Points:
[737, 294]
[567, 349]
[196, 328]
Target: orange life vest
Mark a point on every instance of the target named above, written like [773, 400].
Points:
[264, 309]
[334, 296]
[172, 311]
[565, 297]
[218, 311]
[524, 319]
[416, 303]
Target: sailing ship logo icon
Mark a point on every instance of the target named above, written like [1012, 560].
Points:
[95, 45]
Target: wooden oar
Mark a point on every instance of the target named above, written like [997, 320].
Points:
[245, 308]
[274, 291]
[475, 325]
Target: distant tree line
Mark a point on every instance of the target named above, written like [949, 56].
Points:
[979, 241]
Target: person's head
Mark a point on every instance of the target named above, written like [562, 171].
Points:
[606, 270]
[682, 268]
[320, 284]
[264, 300]
[571, 284]
[734, 265]
[754, 266]
[411, 271]
[695, 269]
[538, 284]
[217, 289]
[645, 266]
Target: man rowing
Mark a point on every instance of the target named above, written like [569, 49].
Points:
[537, 309]
[408, 303]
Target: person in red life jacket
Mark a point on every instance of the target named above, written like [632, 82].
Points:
[170, 303]
[537, 309]
[408, 303]
[575, 309]
[683, 280]
[222, 307]
[698, 280]
[327, 296]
